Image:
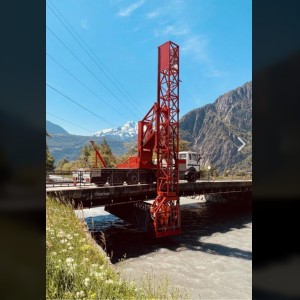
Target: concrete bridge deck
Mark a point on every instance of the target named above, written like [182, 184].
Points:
[91, 196]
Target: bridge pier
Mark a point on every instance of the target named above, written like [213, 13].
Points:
[137, 214]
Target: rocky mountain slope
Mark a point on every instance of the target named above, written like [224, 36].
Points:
[214, 130]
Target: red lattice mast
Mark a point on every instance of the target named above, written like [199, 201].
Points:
[165, 210]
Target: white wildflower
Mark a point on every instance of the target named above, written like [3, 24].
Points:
[86, 281]
[69, 260]
[60, 234]
[63, 241]
[54, 253]
[69, 237]
[97, 275]
[109, 281]
[80, 294]
[71, 248]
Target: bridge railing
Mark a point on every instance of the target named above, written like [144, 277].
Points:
[82, 178]
[68, 178]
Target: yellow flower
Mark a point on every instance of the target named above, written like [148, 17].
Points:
[85, 247]
[92, 296]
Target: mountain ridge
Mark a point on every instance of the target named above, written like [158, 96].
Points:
[127, 131]
[54, 128]
[213, 130]
[64, 145]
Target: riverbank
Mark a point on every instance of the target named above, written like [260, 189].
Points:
[211, 259]
[77, 268]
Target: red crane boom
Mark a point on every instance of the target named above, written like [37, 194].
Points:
[98, 155]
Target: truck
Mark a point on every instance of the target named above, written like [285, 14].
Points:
[188, 167]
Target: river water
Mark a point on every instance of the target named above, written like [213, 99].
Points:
[211, 259]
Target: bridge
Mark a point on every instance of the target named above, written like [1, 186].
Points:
[91, 196]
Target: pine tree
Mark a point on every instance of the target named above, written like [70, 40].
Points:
[61, 163]
[107, 154]
[49, 160]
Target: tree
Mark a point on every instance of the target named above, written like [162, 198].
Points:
[49, 157]
[85, 152]
[49, 160]
[184, 145]
[131, 151]
[107, 154]
[87, 156]
[61, 163]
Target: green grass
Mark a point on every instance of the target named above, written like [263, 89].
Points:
[76, 268]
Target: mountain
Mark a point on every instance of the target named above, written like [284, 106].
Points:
[214, 130]
[126, 132]
[54, 129]
[64, 145]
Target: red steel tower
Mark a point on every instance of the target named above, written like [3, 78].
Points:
[165, 210]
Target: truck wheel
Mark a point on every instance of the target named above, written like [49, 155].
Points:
[191, 177]
[132, 178]
[118, 178]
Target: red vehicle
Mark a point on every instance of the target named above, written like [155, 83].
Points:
[158, 134]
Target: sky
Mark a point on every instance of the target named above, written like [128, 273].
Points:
[101, 62]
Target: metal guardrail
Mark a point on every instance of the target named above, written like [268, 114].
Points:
[67, 178]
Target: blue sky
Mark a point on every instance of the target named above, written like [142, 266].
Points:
[119, 83]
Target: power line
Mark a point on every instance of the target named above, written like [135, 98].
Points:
[85, 47]
[104, 85]
[83, 84]
[86, 109]
[109, 141]
[70, 122]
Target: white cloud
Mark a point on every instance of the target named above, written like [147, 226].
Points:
[196, 47]
[193, 45]
[153, 14]
[125, 12]
[175, 30]
[84, 24]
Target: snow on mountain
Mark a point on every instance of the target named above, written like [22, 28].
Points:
[127, 131]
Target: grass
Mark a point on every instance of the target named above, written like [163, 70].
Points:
[76, 268]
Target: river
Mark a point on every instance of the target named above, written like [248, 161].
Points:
[211, 259]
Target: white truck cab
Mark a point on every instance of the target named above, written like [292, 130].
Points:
[192, 159]
[191, 168]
